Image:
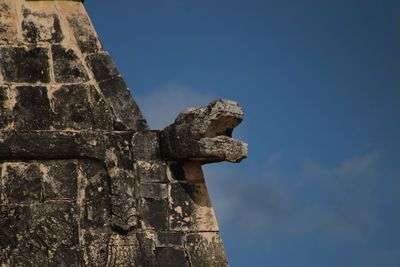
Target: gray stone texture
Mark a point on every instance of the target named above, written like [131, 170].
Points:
[205, 134]
[80, 106]
[6, 113]
[102, 66]
[125, 109]
[23, 65]
[32, 108]
[153, 214]
[149, 152]
[151, 172]
[169, 239]
[40, 234]
[41, 27]
[206, 249]
[171, 257]
[83, 181]
[84, 34]
[21, 183]
[67, 66]
[59, 180]
[8, 31]
[191, 208]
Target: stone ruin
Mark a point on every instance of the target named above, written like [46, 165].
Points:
[83, 181]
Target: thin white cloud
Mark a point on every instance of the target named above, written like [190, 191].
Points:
[341, 202]
[161, 106]
[273, 159]
[244, 203]
[348, 168]
[336, 202]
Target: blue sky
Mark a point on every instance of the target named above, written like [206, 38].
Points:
[319, 82]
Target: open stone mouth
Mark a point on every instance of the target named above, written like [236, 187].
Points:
[205, 134]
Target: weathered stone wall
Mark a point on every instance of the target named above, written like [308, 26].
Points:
[51, 54]
[83, 181]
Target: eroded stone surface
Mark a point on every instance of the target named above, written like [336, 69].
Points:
[67, 66]
[171, 257]
[117, 94]
[94, 194]
[169, 239]
[41, 27]
[206, 249]
[123, 201]
[59, 180]
[110, 249]
[204, 134]
[154, 191]
[45, 234]
[23, 65]
[5, 108]
[102, 66]
[191, 208]
[153, 214]
[32, 108]
[151, 172]
[22, 182]
[150, 151]
[80, 106]
[8, 30]
[84, 34]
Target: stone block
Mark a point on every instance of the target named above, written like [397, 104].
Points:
[154, 191]
[123, 250]
[5, 108]
[102, 66]
[8, 27]
[123, 202]
[154, 214]
[118, 96]
[191, 208]
[111, 249]
[80, 107]
[17, 248]
[43, 144]
[118, 146]
[35, 67]
[41, 27]
[67, 67]
[94, 195]
[54, 226]
[59, 179]
[151, 172]
[206, 249]
[146, 255]
[95, 248]
[171, 257]
[22, 182]
[32, 108]
[146, 146]
[44, 233]
[84, 33]
[169, 239]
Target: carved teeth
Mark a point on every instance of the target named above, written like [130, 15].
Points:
[204, 134]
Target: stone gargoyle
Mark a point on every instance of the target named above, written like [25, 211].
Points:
[205, 134]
